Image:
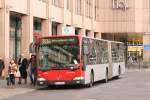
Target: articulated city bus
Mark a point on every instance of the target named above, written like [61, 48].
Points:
[67, 60]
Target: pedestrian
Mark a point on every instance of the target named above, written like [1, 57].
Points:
[32, 69]
[135, 59]
[23, 62]
[19, 65]
[12, 69]
[1, 66]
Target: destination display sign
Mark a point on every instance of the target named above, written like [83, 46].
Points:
[69, 40]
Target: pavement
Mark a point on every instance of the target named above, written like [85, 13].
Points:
[6, 92]
[130, 86]
[137, 67]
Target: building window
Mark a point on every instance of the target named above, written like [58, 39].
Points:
[57, 3]
[15, 36]
[69, 5]
[120, 4]
[37, 25]
[87, 33]
[77, 31]
[96, 10]
[43, 0]
[54, 29]
[78, 7]
[95, 34]
[88, 8]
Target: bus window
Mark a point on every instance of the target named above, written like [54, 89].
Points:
[58, 55]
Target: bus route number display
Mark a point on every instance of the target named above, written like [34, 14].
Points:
[48, 41]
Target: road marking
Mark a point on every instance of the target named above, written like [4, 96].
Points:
[90, 99]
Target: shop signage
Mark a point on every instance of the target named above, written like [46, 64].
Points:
[67, 30]
[147, 47]
[120, 4]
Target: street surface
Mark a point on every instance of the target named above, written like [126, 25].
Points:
[133, 85]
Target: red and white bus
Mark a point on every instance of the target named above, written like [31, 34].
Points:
[66, 60]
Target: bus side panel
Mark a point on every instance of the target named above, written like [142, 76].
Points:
[122, 67]
[116, 68]
[99, 71]
[87, 73]
[110, 74]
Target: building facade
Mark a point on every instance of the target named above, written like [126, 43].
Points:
[121, 20]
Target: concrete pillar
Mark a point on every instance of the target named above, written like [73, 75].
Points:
[82, 32]
[46, 23]
[4, 34]
[27, 34]
[46, 27]
[59, 29]
[93, 19]
[146, 53]
[99, 35]
[64, 10]
[91, 34]
[83, 16]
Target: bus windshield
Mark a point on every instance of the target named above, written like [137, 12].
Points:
[58, 53]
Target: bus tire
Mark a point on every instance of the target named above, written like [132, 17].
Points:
[91, 79]
[119, 72]
[106, 76]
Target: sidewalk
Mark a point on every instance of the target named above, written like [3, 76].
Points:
[6, 92]
[135, 70]
[130, 67]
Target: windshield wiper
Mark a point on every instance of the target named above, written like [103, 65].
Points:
[58, 68]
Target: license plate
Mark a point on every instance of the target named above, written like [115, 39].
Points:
[59, 83]
[41, 83]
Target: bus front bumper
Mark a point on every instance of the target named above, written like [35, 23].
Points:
[71, 82]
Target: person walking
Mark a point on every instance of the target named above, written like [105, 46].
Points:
[12, 69]
[1, 66]
[32, 69]
[23, 62]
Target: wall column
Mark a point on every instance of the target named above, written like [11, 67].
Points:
[59, 29]
[46, 23]
[4, 34]
[82, 32]
[91, 34]
[27, 34]
[46, 27]
[99, 35]
[146, 53]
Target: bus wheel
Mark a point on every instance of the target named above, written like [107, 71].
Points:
[119, 73]
[106, 77]
[91, 80]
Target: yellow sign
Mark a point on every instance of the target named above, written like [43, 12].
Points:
[135, 48]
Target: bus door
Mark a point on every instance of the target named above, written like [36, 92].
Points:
[110, 71]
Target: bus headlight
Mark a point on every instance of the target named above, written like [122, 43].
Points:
[41, 79]
[78, 78]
